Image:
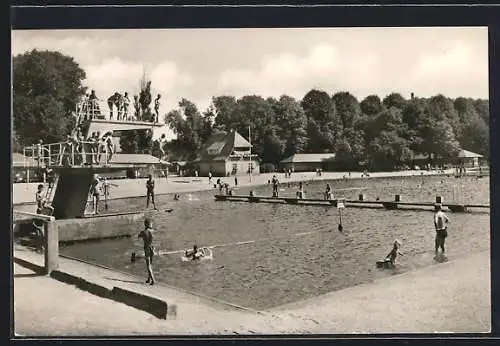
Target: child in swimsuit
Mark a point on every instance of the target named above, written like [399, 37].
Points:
[391, 257]
[147, 237]
[194, 254]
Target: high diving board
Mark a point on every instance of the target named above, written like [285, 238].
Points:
[103, 126]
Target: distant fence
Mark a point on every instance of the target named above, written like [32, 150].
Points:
[43, 230]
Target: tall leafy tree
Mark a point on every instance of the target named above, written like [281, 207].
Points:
[323, 125]
[483, 109]
[187, 124]
[475, 136]
[388, 150]
[272, 147]
[394, 100]
[224, 108]
[257, 113]
[140, 141]
[347, 109]
[442, 108]
[291, 124]
[371, 105]
[46, 87]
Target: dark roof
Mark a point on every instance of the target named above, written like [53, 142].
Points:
[139, 159]
[461, 154]
[221, 145]
[296, 158]
[468, 154]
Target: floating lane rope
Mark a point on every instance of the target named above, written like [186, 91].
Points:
[173, 252]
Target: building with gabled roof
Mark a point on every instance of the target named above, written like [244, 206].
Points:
[225, 154]
[309, 162]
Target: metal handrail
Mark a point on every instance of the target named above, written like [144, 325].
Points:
[33, 215]
[57, 152]
[92, 109]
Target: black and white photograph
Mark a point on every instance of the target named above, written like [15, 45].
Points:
[250, 181]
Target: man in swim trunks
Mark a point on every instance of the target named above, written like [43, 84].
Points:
[441, 225]
[328, 192]
[150, 186]
[94, 192]
[147, 237]
[157, 108]
[300, 192]
[161, 144]
[275, 183]
[114, 100]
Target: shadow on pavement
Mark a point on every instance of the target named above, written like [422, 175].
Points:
[29, 275]
[129, 281]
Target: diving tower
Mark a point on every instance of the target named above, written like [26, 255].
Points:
[76, 161]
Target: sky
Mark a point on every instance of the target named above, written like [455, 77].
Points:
[201, 63]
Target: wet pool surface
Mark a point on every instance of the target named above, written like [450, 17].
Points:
[297, 251]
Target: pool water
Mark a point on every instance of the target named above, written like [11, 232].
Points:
[297, 251]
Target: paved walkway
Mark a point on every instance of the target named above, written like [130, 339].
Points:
[447, 297]
[24, 193]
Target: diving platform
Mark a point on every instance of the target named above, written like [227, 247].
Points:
[86, 153]
[102, 126]
[388, 205]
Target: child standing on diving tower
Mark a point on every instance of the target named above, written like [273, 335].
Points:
[157, 107]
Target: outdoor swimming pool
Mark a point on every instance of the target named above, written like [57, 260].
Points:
[298, 252]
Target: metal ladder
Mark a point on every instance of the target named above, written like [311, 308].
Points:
[51, 190]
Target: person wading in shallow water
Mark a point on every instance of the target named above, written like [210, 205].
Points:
[441, 225]
[147, 238]
[150, 186]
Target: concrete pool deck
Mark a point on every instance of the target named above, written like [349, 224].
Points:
[447, 297]
[23, 193]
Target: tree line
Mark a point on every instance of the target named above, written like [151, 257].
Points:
[373, 133]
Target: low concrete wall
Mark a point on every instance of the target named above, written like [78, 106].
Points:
[154, 306]
[98, 228]
[73, 230]
[82, 284]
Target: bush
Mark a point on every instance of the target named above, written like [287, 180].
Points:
[267, 168]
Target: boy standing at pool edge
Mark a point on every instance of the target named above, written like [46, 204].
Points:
[147, 238]
[441, 225]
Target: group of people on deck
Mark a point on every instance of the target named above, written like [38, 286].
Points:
[119, 108]
[78, 150]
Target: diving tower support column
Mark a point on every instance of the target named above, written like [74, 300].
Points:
[70, 198]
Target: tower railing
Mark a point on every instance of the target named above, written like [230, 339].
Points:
[98, 109]
[64, 154]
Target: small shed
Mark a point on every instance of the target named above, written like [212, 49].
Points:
[469, 159]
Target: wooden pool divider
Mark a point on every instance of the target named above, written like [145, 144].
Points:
[361, 202]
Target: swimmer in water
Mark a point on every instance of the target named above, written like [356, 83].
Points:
[391, 257]
[194, 254]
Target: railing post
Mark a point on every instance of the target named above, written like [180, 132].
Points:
[51, 243]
